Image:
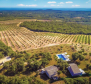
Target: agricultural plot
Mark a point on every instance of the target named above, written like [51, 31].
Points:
[20, 38]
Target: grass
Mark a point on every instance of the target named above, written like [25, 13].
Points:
[53, 50]
[56, 50]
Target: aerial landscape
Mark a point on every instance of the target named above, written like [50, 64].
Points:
[45, 42]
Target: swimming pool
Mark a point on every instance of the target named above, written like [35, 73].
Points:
[61, 56]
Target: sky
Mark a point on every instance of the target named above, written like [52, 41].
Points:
[45, 3]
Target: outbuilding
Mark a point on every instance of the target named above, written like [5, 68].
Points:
[74, 70]
[51, 72]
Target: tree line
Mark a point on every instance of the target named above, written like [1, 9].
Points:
[77, 80]
[66, 16]
[18, 80]
[57, 27]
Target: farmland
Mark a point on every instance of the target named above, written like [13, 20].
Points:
[34, 43]
[36, 37]
[20, 38]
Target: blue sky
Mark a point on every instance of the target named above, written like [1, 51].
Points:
[46, 3]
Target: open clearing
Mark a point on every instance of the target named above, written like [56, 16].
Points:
[20, 38]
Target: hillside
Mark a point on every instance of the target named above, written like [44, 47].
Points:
[65, 16]
[57, 27]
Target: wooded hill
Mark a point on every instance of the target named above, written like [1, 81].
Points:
[66, 16]
[58, 27]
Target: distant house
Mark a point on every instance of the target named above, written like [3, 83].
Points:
[51, 72]
[74, 70]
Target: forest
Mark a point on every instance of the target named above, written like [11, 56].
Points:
[5, 50]
[17, 66]
[65, 16]
[58, 27]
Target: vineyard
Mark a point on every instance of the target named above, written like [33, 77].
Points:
[20, 38]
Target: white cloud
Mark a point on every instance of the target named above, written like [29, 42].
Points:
[50, 2]
[69, 2]
[61, 3]
[75, 5]
[21, 5]
[27, 5]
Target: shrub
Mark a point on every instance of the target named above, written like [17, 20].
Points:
[59, 72]
[85, 53]
[55, 57]
[79, 51]
[89, 54]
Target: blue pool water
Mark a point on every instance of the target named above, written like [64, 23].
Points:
[61, 56]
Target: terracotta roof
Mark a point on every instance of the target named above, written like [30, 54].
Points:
[74, 68]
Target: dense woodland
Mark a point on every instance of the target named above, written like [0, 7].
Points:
[5, 50]
[58, 27]
[17, 65]
[17, 80]
[66, 16]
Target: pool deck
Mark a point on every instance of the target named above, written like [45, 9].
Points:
[65, 56]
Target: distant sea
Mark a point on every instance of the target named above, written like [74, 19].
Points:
[61, 9]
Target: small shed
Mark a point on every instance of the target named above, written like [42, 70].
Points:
[74, 70]
[51, 71]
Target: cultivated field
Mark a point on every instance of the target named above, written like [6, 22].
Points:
[20, 38]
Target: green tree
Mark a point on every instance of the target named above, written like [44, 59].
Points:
[81, 57]
[75, 56]
[89, 54]
[6, 65]
[3, 79]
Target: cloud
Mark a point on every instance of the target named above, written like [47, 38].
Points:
[50, 2]
[21, 5]
[27, 5]
[69, 2]
[75, 5]
[61, 3]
